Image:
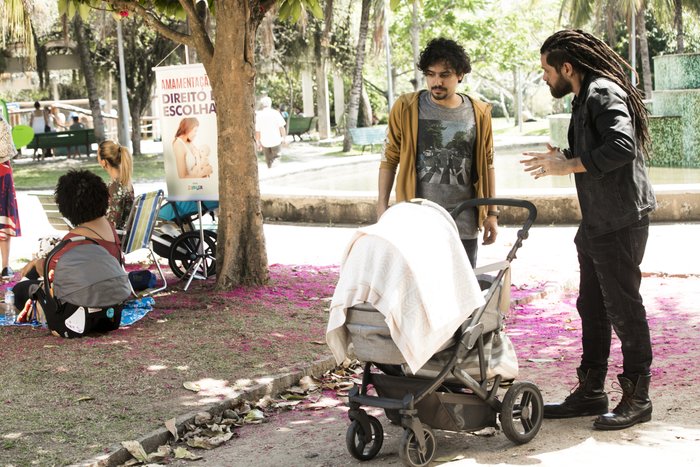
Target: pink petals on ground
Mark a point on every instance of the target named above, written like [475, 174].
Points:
[547, 333]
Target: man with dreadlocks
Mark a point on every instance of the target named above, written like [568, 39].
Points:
[607, 143]
[442, 143]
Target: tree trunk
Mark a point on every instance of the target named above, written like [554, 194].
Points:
[415, 45]
[241, 255]
[678, 24]
[644, 52]
[135, 108]
[322, 101]
[356, 90]
[367, 111]
[87, 68]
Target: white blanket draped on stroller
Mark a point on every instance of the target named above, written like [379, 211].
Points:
[410, 266]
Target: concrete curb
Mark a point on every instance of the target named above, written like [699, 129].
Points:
[271, 385]
[266, 386]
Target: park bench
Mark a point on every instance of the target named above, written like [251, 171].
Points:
[368, 136]
[301, 125]
[48, 203]
[65, 139]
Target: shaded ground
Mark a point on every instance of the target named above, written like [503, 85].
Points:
[65, 400]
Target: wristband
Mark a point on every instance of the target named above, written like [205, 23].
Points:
[493, 213]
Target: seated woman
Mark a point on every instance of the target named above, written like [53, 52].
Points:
[82, 198]
[118, 163]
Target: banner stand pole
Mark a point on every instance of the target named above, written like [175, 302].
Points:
[201, 261]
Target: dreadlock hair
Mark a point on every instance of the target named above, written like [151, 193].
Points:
[588, 54]
[445, 50]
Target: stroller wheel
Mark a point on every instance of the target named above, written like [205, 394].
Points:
[522, 412]
[184, 252]
[410, 451]
[361, 448]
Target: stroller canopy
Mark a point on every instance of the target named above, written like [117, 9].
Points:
[87, 275]
[410, 266]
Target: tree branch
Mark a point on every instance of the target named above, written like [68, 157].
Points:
[428, 22]
[203, 43]
[152, 20]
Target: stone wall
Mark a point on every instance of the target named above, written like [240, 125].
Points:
[677, 94]
[680, 204]
[677, 71]
[666, 142]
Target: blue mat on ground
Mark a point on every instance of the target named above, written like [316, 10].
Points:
[136, 309]
[133, 311]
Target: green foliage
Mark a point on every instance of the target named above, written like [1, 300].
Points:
[658, 38]
[72, 90]
[291, 10]
[277, 87]
[70, 8]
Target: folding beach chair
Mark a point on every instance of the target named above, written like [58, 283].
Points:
[139, 228]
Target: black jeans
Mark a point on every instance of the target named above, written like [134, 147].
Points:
[609, 298]
[471, 246]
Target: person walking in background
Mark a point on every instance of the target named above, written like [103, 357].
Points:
[118, 163]
[270, 130]
[9, 214]
[447, 123]
[608, 137]
[38, 121]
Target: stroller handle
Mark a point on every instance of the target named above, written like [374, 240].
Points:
[518, 203]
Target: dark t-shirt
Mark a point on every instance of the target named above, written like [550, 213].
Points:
[445, 155]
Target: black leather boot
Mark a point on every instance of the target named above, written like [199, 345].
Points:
[635, 406]
[589, 398]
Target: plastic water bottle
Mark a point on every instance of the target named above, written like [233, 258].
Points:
[10, 312]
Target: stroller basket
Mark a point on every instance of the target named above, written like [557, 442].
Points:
[440, 409]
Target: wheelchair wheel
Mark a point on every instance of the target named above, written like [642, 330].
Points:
[184, 253]
[356, 444]
[522, 412]
[410, 451]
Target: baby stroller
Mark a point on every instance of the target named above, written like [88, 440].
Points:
[177, 238]
[88, 290]
[456, 388]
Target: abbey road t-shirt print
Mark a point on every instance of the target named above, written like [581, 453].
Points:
[445, 155]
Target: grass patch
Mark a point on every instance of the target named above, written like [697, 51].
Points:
[43, 175]
[65, 400]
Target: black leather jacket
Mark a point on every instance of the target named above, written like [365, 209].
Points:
[615, 190]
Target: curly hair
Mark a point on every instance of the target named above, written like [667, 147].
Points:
[445, 50]
[81, 196]
[588, 54]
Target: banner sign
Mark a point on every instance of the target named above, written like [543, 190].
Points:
[189, 133]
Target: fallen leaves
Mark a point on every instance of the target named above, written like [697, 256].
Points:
[191, 386]
[208, 430]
